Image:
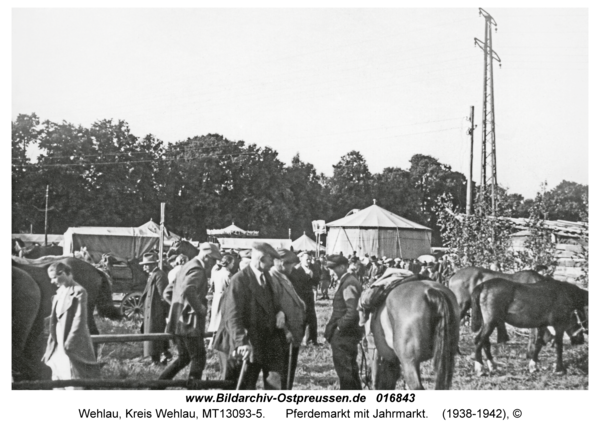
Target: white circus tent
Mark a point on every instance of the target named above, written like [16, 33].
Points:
[379, 232]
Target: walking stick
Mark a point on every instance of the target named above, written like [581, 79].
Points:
[242, 374]
[289, 374]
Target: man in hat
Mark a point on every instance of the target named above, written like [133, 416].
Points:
[188, 313]
[373, 270]
[343, 331]
[303, 280]
[324, 279]
[155, 307]
[252, 322]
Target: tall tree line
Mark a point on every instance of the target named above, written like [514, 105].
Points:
[106, 176]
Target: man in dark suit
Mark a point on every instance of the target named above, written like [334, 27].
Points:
[187, 316]
[155, 308]
[343, 331]
[252, 322]
[304, 281]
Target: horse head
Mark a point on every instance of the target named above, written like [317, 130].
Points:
[579, 318]
[183, 247]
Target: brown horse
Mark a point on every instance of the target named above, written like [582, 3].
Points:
[183, 247]
[96, 283]
[464, 282]
[553, 303]
[419, 321]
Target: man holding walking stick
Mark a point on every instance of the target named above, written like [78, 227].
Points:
[252, 322]
[294, 309]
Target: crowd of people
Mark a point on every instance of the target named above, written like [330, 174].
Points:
[262, 312]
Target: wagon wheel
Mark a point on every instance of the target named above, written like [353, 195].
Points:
[132, 306]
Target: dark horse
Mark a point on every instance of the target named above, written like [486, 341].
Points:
[548, 303]
[26, 301]
[36, 252]
[464, 282]
[96, 283]
[419, 321]
[183, 247]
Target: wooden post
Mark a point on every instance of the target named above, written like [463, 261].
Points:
[162, 233]
[134, 338]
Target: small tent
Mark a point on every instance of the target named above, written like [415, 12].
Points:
[379, 232]
[305, 243]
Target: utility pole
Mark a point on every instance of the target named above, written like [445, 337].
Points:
[45, 210]
[162, 236]
[488, 118]
[46, 218]
[471, 132]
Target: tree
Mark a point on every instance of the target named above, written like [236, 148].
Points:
[394, 190]
[24, 174]
[308, 198]
[432, 179]
[566, 201]
[350, 184]
[540, 246]
[477, 240]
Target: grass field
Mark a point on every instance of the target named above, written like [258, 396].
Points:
[315, 367]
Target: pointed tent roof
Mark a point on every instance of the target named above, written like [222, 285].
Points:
[376, 217]
[154, 228]
[305, 243]
[231, 230]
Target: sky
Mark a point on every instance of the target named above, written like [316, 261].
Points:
[390, 83]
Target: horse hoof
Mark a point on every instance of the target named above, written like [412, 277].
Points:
[560, 371]
[532, 366]
[478, 369]
[492, 366]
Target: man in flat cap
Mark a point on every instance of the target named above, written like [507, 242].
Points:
[252, 322]
[188, 312]
[294, 309]
[343, 331]
[155, 308]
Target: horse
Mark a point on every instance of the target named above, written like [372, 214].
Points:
[553, 303]
[36, 252]
[26, 341]
[96, 283]
[464, 281]
[418, 321]
[183, 247]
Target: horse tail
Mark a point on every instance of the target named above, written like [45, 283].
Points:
[104, 301]
[446, 338]
[476, 316]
